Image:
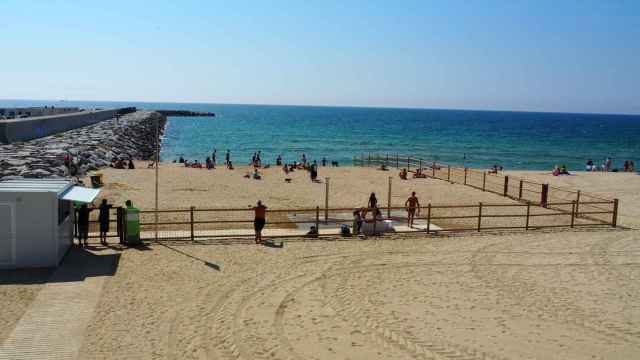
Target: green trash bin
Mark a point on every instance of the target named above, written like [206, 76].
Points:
[132, 219]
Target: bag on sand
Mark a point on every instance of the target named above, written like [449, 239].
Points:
[345, 230]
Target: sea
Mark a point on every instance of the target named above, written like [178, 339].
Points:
[514, 140]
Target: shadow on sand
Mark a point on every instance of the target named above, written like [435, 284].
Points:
[78, 264]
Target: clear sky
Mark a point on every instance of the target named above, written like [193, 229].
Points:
[578, 56]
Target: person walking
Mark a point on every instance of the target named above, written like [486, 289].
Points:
[213, 159]
[227, 158]
[412, 204]
[260, 220]
[103, 218]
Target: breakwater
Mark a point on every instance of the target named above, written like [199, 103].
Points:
[186, 113]
[13, 130]
[92, 147]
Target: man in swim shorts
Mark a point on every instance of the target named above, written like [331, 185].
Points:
[259, 220]
[411, 204]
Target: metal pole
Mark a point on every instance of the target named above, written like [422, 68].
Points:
[326, 200]
[157, 160]
[389, 199]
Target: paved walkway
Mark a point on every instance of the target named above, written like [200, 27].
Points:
[53, 326]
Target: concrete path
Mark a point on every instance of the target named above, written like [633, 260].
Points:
[53, 326]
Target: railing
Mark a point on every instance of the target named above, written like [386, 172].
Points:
[196, 224]
[587, 205]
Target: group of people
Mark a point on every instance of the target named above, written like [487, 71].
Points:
[560, 170]
[412, 206]
[209, 162]
[117, 163]
[418, 174]
[607, 165]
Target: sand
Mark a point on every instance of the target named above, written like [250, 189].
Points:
[349, 187]
[18, 288]
[560, 295]
[535, 295]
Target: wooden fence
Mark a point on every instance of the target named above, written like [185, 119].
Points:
[588, 205]
[433, 218]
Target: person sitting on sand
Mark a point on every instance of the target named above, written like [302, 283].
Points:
[493, 170]
[279, 160]
[411, 204]
[131, 165]
[313, 173]
[383, 167]
[197, 165]
[229, 165]
[207, 162]
[260, 220]
[419, 174]
[324, 161]
[403, 174]
[556, 171]
[563, 170]
[181, 161]
[590, 166]
[256, 175]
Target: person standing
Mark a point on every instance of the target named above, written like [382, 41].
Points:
[83, 224]
[227, 158]
[412, 204]
[260, 220]
[213, 159]
[373, 201]
[103, 218]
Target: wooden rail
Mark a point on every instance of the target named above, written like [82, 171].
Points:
[478, 214]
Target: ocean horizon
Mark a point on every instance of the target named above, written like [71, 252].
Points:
[475, 138]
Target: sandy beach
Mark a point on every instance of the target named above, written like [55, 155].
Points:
[562, 294]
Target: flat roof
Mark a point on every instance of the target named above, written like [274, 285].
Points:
[35, 185]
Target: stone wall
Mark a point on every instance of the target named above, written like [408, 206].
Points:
[13, 130]
[93, 147]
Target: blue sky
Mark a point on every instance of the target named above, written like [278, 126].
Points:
[578, 56]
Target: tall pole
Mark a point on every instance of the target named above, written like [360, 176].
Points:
[389, 199]
[326, 200]
[156, 172]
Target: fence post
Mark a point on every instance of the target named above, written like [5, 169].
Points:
[429, 218]
[573, 212]
[484, 180]
[420, 164]
[326, 200]
[369, 161]
[506, 185]
[386, 162]
[465, 175]
[479, 216]
[520, 190]
[389, 199]
[544, 195]
[433, 170]
[191, 221]
[408, 164]
[526, 225]
[614, 220]
[397, 162]
[318, 219]
[578, 204]
[449, 173]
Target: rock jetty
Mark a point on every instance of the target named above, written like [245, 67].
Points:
[92, 147]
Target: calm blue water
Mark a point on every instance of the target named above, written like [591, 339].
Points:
[516, 140]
